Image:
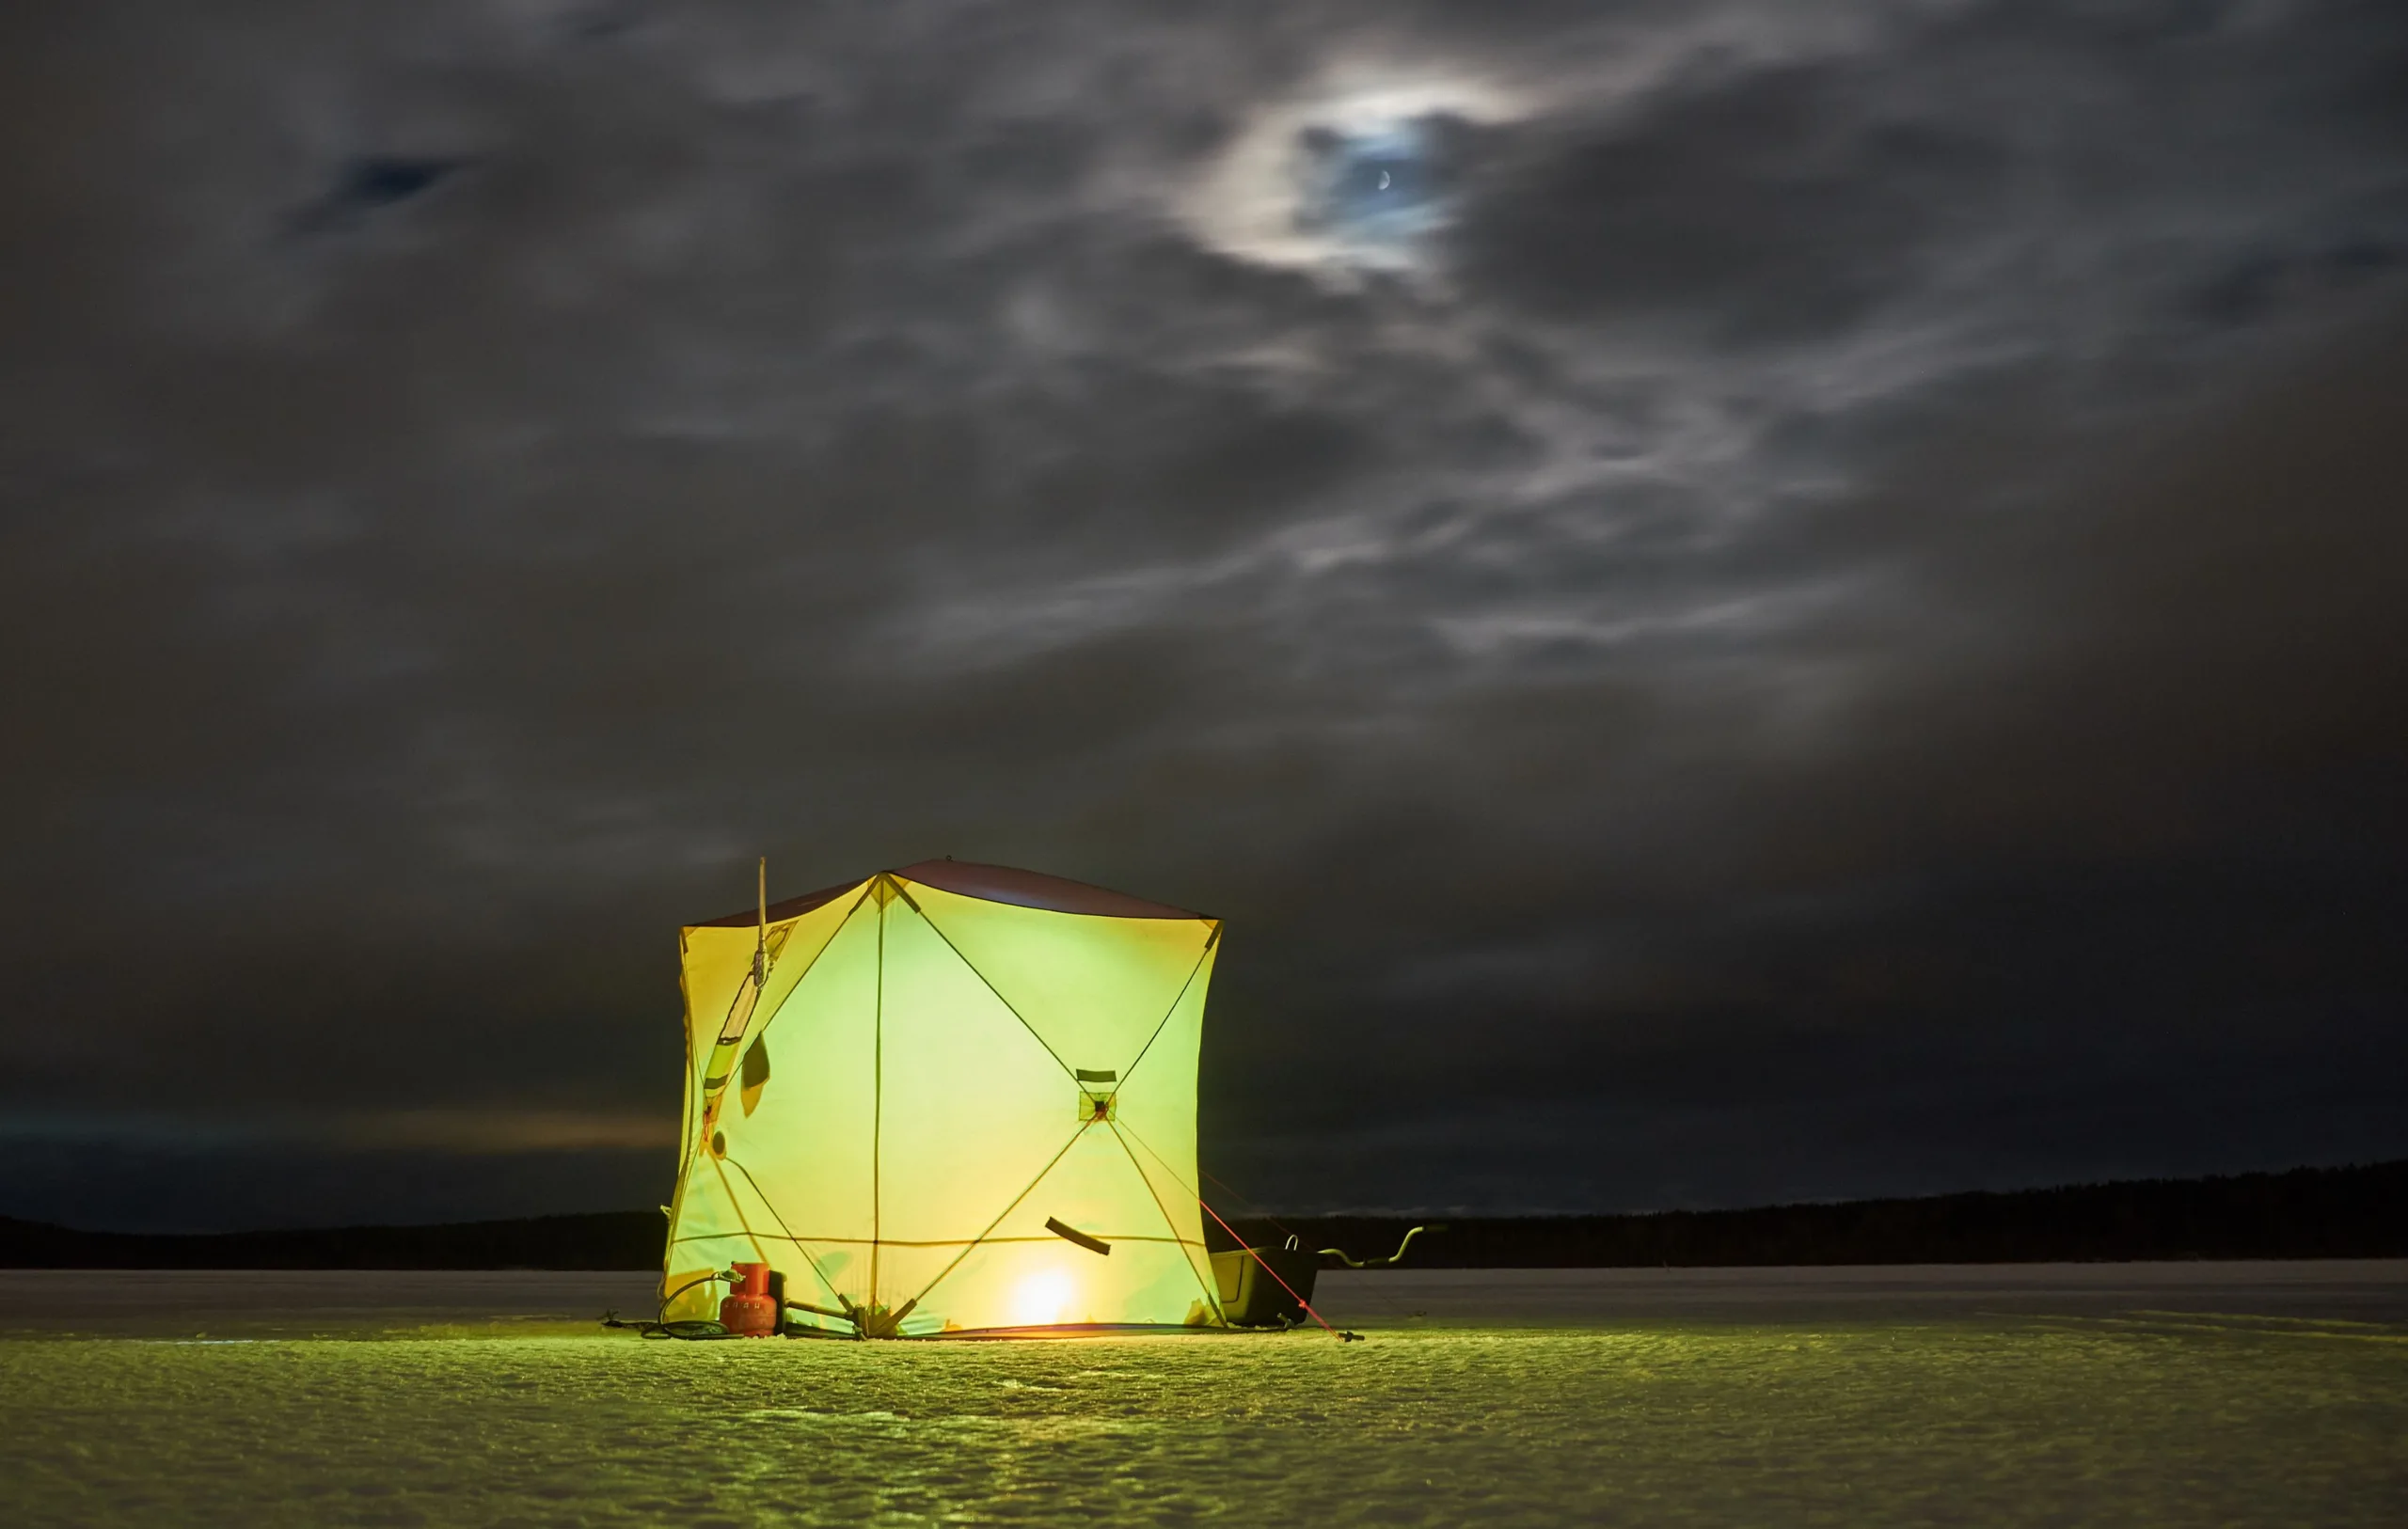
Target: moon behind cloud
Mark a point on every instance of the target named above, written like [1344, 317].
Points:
[1260, 201]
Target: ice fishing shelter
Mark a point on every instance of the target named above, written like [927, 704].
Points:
[951, 1098]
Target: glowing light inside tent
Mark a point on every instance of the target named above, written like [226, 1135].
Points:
[1041, 1298]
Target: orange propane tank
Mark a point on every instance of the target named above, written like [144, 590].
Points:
[750, 1311]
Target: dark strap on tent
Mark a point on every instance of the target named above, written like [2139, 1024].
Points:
[1071, 1234]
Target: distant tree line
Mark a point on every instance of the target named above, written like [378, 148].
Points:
[2358, 1212]
[611, 1240]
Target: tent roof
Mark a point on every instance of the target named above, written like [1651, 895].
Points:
[989, 883]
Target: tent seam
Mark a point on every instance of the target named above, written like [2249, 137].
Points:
[1212, 1296]
[877, 1099]
[707, 1101]
[779, 1216]
[1159, 1024]
[1008, 1004]
[976, 1242]
[804, 974]
[741, 1219]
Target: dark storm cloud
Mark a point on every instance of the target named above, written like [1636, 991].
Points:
[367, 184]
[1819, 613]
[1761, 205]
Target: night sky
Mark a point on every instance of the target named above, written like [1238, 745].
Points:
[1733, 602]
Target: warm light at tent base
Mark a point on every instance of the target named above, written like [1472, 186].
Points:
[1040, 1299]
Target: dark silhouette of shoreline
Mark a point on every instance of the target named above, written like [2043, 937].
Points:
[2352, 1212]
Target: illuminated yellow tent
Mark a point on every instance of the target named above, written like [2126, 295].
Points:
[951, 1098]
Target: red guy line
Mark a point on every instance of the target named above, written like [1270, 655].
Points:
[1268, 1270]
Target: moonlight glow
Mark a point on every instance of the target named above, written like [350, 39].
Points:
[1346, 180]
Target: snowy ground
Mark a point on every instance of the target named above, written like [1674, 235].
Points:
[2259, 1393]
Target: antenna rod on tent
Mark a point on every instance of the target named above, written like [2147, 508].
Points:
[761, 950]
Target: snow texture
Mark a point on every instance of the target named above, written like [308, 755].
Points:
[464, 1399]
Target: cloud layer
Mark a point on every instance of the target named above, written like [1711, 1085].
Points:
[1810, 606]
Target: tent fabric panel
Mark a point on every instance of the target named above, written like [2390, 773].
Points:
[972, 1106]
[1093, 989]
[709, 1232]
[1094, 1188]
[689, 1120]
[1156, 1109]
[1112, 1188]
[1156, 1093]
[690, 1294]
[818, 1272]
[1171, 1196]
[713, 963]
[791, 961]
[807, 1145]
[717, 960]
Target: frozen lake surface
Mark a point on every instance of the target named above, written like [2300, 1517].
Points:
[2186, 1394]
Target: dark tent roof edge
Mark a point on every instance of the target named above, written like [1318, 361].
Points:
[989, 883]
